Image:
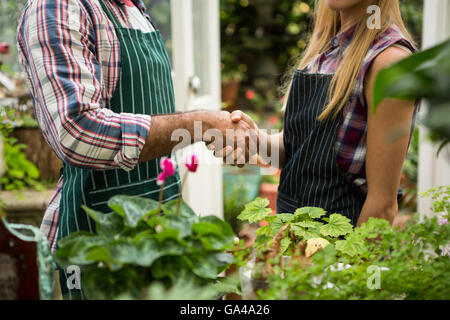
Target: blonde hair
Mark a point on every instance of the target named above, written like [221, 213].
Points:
[326, 26]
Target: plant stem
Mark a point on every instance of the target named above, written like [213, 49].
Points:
[161, 195]
[183, 182]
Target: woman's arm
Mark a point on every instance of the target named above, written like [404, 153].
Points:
[387, 143]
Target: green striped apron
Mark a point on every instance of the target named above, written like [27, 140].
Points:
[144, 87]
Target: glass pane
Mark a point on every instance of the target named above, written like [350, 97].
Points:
[201, 56]
[10, 12]
[159, 11]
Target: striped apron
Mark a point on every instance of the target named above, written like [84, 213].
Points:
[144, 87]
[311, 176]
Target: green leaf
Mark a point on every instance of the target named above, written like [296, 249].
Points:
[397, 76]
[256, 211]
[285, 217]
[276, 225]
[103, 284]
[304, 233]
[204, 265]
[263, 231]
[284, 245]
[133, 208]
[170, 208]
[351, 246]
[312, 212]
[75, 248]
[337, 226]
[310, 224]
[107, 224]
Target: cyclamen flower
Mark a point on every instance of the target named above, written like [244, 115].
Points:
[442, 221]
[168, 167]
[161, 179]
[191, 163]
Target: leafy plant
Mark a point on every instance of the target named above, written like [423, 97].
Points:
[329, 259]
[137, 245]
[20, 173]
[423, 75]
[441, 197]
[411, 263]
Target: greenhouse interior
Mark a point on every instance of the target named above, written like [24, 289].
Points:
[224, 150]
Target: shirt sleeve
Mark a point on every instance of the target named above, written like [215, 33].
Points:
[58, 41]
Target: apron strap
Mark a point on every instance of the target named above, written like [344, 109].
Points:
[110, 15]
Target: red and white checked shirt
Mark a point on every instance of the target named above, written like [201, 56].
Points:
[70, 53]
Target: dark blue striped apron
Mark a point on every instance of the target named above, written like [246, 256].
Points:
[311, 176]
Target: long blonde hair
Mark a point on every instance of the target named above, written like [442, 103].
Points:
[326, 26]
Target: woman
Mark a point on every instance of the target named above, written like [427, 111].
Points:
[334, 152]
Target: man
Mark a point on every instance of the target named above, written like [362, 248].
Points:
[100, 79]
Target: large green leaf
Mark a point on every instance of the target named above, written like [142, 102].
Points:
[74, 249]
[204, 265]
[133, 208]
[304, 233]
[107, 224]
[351, 246]
[337, 226]
[403, 80]
[103, 284]
[170, 208]
[255, 211]
[312, 212]
[220, 227]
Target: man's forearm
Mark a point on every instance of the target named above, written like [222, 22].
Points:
[159, 141]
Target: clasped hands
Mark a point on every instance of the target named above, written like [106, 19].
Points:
[236, 138]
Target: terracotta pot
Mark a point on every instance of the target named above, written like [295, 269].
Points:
[230, 91]
[39, 153]
[269, 191]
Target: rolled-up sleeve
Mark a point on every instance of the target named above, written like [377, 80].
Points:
[57, 41]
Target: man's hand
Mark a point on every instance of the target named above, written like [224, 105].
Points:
[245, 141]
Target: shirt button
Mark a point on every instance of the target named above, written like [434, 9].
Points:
[334, 41]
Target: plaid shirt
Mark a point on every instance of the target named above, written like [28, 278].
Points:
[351, 139]
[70, 52]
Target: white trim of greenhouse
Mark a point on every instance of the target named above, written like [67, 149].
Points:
[433, 171]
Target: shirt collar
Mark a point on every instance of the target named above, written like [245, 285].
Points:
[344, 38]
[137, 3]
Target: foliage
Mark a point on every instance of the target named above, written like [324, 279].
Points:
[234, 202]
[412, 263]
[291, 229]
[20, 173]
[423, 75]
[441, 197]
[261, 39]
[136, 245]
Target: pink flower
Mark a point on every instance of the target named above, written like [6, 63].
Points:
[442, 221]
[161, 179]
[168, 166]
[4, 47]
[192, 163]
[250, 94]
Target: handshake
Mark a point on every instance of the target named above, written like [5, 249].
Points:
[235, 138]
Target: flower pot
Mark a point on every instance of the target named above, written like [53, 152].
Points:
[39, 153]
[269, 191]
[230, 91]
